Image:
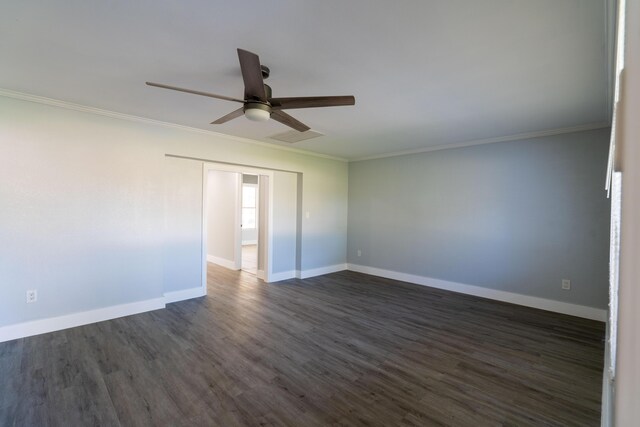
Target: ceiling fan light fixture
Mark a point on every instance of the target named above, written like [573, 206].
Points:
[257, 112]
[258, 102]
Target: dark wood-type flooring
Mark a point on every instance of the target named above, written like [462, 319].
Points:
[342, 349]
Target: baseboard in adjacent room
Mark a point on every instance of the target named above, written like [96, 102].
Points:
[222, 262]
[304, 274]
[184, 294]
[51, 324]
[511, 297]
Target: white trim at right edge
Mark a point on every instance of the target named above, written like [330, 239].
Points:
[606, 418]
[511, 297]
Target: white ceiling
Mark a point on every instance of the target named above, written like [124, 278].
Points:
[424, 73]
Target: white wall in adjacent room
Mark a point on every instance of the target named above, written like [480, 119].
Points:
[222, 200]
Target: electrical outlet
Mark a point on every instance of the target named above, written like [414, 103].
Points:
[566, 284]
[32, 296]
[359, 252]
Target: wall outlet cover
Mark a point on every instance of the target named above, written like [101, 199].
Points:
[32, 296]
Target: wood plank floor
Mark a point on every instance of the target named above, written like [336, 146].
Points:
[342, 349]
[249, 259]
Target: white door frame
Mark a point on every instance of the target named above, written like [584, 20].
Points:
[268, 246]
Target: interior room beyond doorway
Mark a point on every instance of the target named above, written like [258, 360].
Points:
[250, 223]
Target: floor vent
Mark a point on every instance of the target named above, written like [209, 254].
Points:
[295, 136]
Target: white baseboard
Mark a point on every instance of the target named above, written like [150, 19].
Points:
[222, 262]
[305, 274]
[511, 297]
[285, 275]
[42, 326]
[184, 294]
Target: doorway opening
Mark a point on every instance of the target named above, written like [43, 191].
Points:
[237, 219]
[250, 223]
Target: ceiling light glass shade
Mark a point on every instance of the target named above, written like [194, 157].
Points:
[257, 115]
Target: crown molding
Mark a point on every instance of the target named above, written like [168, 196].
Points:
[93, 110]
[508, 138]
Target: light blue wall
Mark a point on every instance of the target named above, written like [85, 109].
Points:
[182, 248]
[515, 216]
[93, 214]
[284, 221]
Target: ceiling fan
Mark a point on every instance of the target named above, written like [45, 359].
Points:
[258, 104]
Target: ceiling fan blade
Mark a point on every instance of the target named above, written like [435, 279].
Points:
[311, 102]
[252, 75]
[195, 92]
[285, 119]
[232, 115]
